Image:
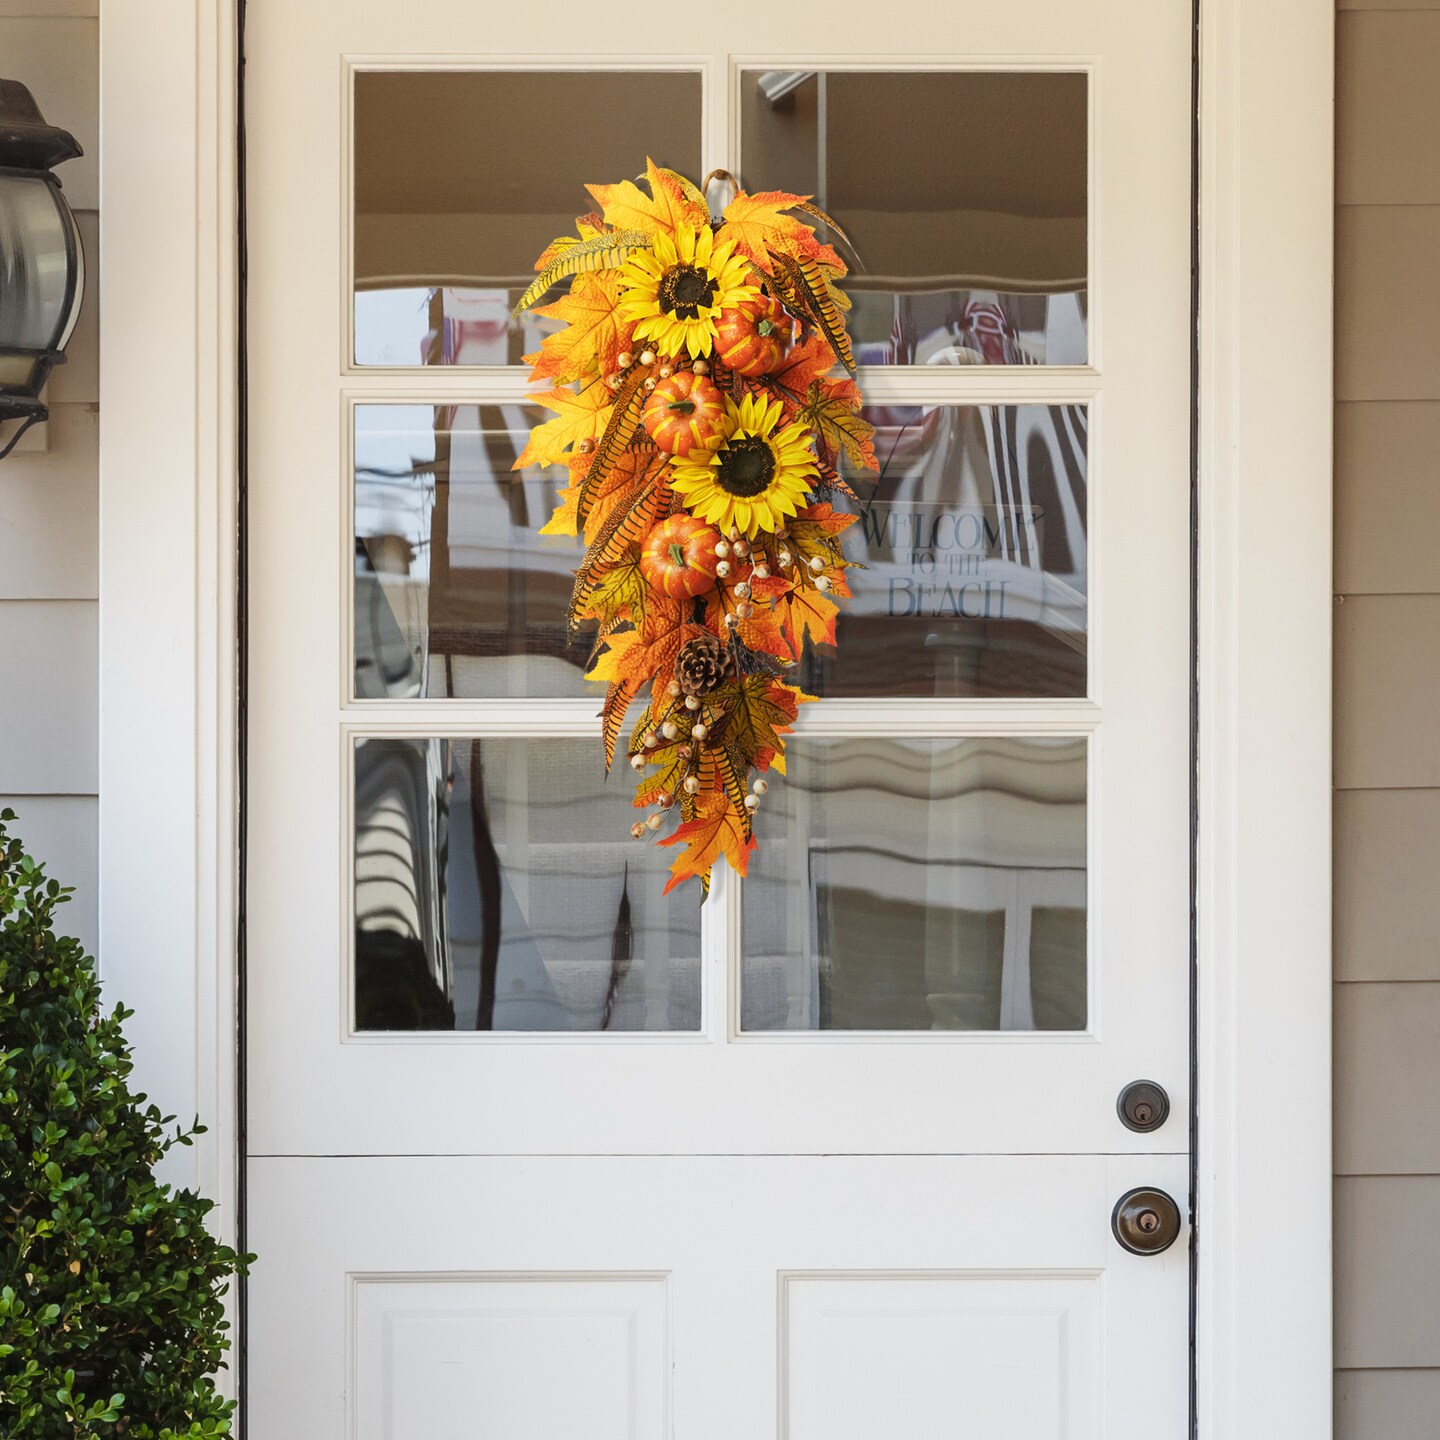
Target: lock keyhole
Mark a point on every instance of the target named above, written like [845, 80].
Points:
[1146, 1221]
[1143, 1106]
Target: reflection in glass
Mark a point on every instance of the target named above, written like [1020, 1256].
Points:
[974, 539]
[965, 194]
[497, 888]
[919, 885]
[463, 177]
[456, 591]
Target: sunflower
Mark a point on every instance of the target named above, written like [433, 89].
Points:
[676, 291]
[756, 477]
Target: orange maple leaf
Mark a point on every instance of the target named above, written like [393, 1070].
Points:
[716, 830]
[646, 651]
[802, 610]
[826, 518]
[627, 207]
[633, 657]
[579, 415]
[760, 630]
[832, 407]
[594, 335]
[817, 530]
[755, 220]
[630, 468]
[605, 496]
[790, 380]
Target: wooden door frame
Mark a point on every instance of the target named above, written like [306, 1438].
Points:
[170, 468]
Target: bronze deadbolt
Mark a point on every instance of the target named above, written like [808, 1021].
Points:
[1145, 1221]
[1143, 1106]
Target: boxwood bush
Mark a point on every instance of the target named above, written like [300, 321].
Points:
[111, 1320]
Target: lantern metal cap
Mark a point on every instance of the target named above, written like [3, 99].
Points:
[26, 141]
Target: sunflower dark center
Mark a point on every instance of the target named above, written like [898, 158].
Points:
[746, 467]
[684, 289]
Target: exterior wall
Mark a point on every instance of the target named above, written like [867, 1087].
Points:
[1387, 736]
[49, 505]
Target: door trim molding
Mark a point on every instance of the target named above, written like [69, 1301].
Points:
[170, 691]
[1264, 1361]
[169, 567]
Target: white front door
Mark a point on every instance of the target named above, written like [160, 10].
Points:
[534, 1151]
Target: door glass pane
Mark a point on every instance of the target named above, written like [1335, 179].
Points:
[463, 177]
[919, 885]
[973, 536]
[965, 193]
[497, 888]
[456, 591]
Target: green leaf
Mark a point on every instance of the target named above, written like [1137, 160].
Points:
[112, 1314]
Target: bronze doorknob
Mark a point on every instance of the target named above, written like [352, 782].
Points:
[1145, 1221]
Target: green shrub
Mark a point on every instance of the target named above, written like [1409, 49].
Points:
[111, 1322]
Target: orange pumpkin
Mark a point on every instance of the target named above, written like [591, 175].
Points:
[750, 337]
[678, 557]
[684, 411]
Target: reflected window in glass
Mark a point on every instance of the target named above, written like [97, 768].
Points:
[496, 888]
[462, 177]
[920, 885]
[457, 593]
[965, 194]
[973, 539]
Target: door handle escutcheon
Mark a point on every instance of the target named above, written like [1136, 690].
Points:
[1145, 1221]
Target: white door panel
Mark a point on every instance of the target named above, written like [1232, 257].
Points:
[798, 1172]
[545, 1298]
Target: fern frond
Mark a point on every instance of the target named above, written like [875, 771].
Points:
[612, 714]
[600, 252]
[619, 431]
[733, 769]
[624, 530]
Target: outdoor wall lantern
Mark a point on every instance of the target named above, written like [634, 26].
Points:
[42, 266]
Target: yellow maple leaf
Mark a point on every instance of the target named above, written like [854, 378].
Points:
[579, 415]
[594, 334]
[627, 207]
[566, 518]
[716, 830]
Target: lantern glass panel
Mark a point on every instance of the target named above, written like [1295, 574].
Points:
[37, 241]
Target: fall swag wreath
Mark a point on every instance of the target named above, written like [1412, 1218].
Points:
[703, 430]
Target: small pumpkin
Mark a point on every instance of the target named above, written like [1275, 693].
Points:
[678, 557]
[684, 411]
[750, 337]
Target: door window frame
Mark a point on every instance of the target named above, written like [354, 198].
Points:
[172, 630]
[1076, 716]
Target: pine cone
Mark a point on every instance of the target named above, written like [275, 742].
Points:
[702, 664]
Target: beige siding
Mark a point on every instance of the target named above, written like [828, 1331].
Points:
[1387, 721]
[49, 506]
